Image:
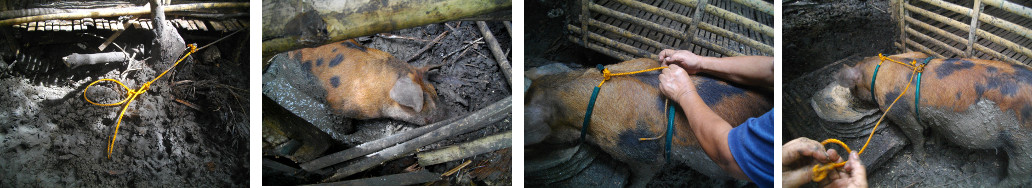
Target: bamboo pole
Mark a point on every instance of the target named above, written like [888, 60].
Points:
[372, 146]
[341, 21]
[924, 49]
[956, 51]
[466, 150]
[410, 178]
[975, 12]
[701, 25]
[936, 30]
[663, 29]
[626, 48]
[490, 114]
[758, 5]
[988, 36]
[115, 12]
[496, 50]
[600, 49]
[992, 20]
[730, 16]
[627, 34]
[1010, 7]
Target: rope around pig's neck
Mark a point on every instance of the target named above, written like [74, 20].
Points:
[821, 171]
[606, 75]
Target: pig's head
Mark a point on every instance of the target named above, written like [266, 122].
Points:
[416, 98]
[848, 98]
[538, 107]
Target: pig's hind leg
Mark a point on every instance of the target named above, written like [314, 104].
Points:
[1019, 153]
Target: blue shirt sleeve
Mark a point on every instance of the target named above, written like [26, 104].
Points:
[752, 146]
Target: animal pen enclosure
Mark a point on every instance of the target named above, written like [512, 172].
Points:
[946, 29]
[626, 29]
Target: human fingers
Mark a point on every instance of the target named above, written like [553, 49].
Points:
[796, 177]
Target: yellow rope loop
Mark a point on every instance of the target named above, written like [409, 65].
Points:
[131, 95]
[821, 171]
[128, 93]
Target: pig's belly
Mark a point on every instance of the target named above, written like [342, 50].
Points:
[977, 127]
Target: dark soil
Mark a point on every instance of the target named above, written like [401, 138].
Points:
[51, 137]
[466, 83]
[819, 33]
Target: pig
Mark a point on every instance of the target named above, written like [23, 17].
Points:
[627, 108]
[366, 83]
[977, 104]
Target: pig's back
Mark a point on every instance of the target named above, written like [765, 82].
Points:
[357, 79]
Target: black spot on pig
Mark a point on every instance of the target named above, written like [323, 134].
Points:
[1022, 73]
[336, 60]
[958, 95]
[334, 50]
[307, 65]
[645, 151]
[902, 107]
[318, 62]
[648, 78]
[952, 65]
[712, 91]
[335, 81]
[979, 90]
[353, 45]
[991, 69]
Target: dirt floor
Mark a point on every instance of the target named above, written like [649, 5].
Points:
[467, 82]
[51, 137]
[819, 33]
[546, 43]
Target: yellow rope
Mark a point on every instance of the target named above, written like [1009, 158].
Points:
[606, 75]
[131, 95]
[821, 171]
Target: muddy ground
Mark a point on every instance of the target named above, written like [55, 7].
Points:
[466, 83]
[51, 137]
[817, 33]
[546, 43]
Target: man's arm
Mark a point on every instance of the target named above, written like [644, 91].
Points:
[755, 71]
[709, 128]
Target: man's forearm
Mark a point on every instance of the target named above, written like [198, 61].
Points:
[749, 70]
[711, 130]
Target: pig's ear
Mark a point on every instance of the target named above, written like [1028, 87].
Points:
[427, 68]
[848, 76]
[408, 93]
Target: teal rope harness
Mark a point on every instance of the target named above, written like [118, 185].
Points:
[917, 90]
[591, 107]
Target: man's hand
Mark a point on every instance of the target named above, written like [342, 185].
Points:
[853, 174]
[675, 83]
[798, 157]
[690, 62]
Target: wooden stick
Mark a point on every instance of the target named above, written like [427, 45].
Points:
[466, 150]
[500, 57]
[421, 50]
[411, 178]
[372, 146]
[490, 114]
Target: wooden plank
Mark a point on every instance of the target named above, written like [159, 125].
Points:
[200, 25]
[217, 26]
